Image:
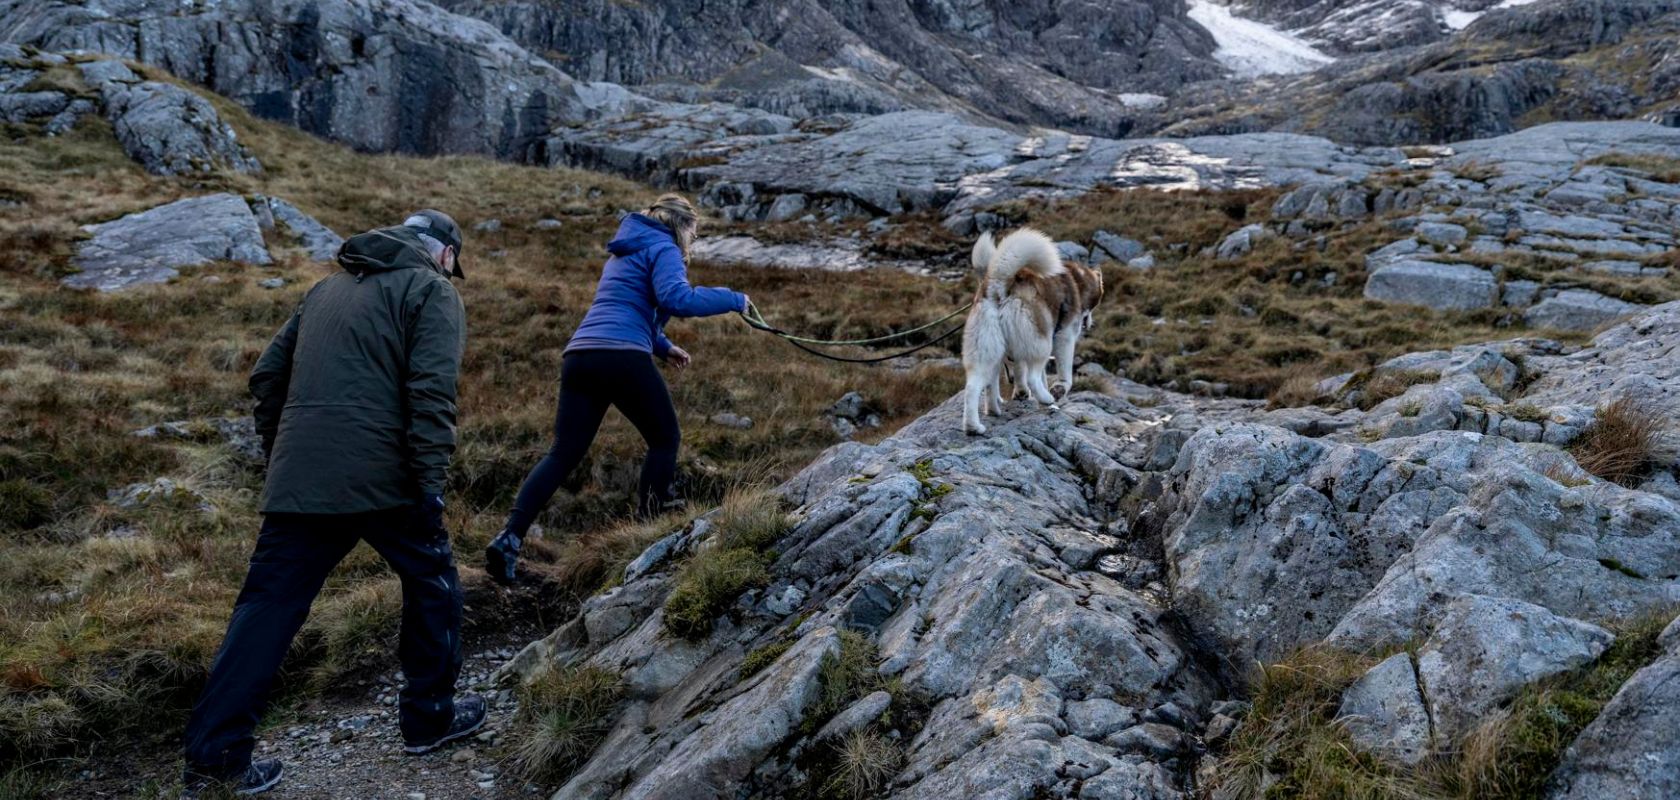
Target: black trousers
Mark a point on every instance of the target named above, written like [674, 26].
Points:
[591, 381]
[294, 554]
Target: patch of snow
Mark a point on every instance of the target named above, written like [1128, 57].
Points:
[836, 74]
[1459, 20]
[1142, 100]
[1251, 49]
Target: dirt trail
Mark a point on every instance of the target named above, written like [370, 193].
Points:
[345, 745]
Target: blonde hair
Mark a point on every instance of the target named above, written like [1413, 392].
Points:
[675, 212]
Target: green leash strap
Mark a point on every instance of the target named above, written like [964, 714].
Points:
[756, 320]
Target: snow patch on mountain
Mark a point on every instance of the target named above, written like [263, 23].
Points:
[1250, 48]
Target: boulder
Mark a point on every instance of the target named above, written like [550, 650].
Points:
[1443, 287]
[1384, 714]
[1629, 749]
[1484, 649]
[315, 239]
[1577, 310]
[167, 129]
[152, 246]
[1240, 241]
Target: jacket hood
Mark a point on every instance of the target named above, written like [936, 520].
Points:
[638, 232]
[385, 249]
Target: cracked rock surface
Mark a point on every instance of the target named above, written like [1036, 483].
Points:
[1069, 617]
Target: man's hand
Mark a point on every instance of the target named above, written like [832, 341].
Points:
[430, 509]
[678, 357]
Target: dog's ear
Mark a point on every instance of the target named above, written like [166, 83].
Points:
[984, 249]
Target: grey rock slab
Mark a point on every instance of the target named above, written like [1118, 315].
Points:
[1639, 358]
[1578, 310]
[151, 246]
[1241, 241]
[1485, 649]
[1442, 233]
[1384, 714]
[1272, 536]
[319, 241]
[1458, 287]
[1098, 717]
[854, 717]
[1118, 247]
[1630, 749]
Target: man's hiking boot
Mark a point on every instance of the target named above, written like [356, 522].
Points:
[501, 555]
[257, 778]
[469, 717]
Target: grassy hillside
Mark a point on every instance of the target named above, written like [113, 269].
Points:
[109, 616]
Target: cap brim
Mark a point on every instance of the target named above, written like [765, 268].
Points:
[457, 269]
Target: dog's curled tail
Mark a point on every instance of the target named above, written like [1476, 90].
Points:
[1026, 249]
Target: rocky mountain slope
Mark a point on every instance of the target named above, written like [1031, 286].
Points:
[1063, 64]
[1512, 67]
[1063, 607]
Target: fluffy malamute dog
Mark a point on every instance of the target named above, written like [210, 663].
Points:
[1029, 307]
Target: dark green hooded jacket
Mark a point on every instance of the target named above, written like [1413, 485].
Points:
[356, 394]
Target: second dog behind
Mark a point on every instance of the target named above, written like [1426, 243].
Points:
[1029, 307]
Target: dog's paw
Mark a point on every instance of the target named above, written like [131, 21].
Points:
[1054, 409]
[1059, 391]
[974, 430]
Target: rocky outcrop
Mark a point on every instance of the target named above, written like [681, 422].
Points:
[317, 241]
[152, 246]
[379, 75]
[1560, 202]
[167, 129]
[1015, 588]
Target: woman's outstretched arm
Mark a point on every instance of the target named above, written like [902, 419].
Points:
[677, 298]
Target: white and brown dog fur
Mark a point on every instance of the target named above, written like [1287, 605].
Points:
[1030, 306]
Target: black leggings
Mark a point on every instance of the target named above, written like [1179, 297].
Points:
[590, 382]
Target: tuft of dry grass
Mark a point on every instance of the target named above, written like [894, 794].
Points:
[564, 712]
[865, 761]
[1665, 169]
[1622, 443]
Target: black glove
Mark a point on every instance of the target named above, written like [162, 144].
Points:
[500, 556]
[430, 511]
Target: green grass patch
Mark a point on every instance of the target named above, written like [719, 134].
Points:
[747, 525]
[762, 657]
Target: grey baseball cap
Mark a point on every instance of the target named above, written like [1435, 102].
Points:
[442, 227]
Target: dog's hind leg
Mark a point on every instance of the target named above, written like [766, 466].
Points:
[1066, 338]
[995, 392]
[979, 377]
[1034, 377]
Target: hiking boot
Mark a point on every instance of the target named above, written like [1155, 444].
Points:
[500, 556]
[469, 717]
[258, 778]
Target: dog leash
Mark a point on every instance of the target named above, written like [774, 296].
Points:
[756, 320]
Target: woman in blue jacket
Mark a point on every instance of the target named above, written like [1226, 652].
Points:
[609, 362]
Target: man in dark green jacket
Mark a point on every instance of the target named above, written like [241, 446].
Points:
[356, 409]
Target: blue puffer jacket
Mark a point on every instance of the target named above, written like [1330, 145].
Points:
[644, 284]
